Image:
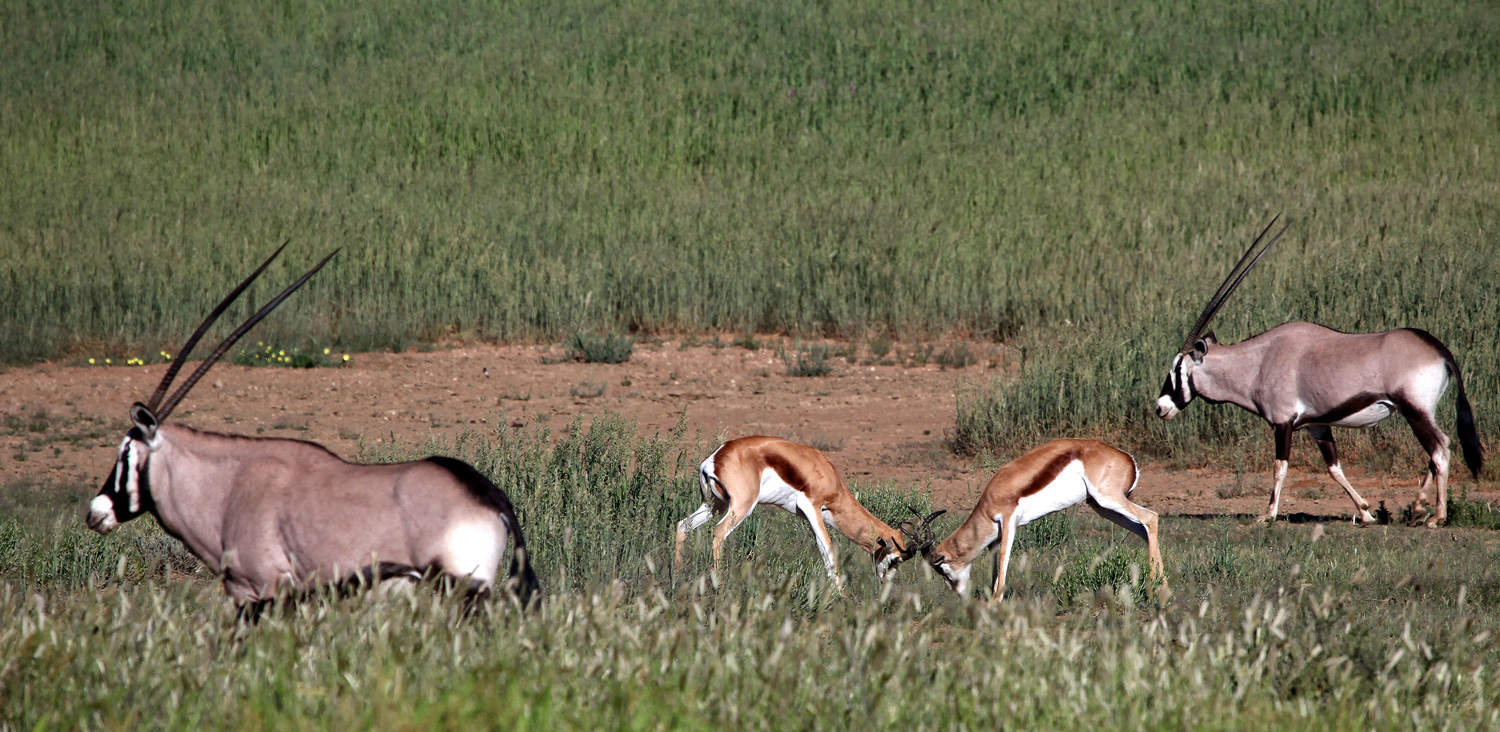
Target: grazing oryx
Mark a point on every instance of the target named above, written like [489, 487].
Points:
[1300, 375]
[272, 513]
[1055, 476]
[798, 478]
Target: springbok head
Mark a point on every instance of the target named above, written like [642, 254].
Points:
[919, 539]
[1178, 389]
[126, 493]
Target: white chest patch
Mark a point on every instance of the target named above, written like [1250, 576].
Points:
[1067, 489]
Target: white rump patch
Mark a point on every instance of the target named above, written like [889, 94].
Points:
[472, 549]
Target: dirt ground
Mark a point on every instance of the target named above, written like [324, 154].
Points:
[875, 422]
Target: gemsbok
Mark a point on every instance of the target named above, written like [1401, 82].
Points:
[1058, 475]
[749, 471]
[271, 514]
[1303, 375]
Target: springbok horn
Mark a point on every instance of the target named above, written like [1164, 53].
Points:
[1231, 282]
[223, 347]
[187, 347]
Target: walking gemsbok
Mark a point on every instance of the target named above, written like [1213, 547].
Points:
[269, 514]
[1300, 375]
[1058, 475]
[754, 470]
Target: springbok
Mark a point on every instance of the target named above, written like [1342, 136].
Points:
[1058, 475]
[268, 514]
[753, 470]
[1303, 375]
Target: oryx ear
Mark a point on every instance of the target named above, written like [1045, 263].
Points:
[1199, 349]
[1208, 339]
[144, 420]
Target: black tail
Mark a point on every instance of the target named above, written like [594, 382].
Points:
[523, 579]
[1468, 434]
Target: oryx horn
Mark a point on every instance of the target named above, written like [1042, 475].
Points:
[187, 347]
[223, 347]
[1227, 288]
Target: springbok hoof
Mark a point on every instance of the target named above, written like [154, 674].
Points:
[1266, 519]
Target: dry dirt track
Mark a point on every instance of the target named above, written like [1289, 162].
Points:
[884, 422]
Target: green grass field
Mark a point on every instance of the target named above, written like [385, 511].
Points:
[1071, 179]
[1288, 627]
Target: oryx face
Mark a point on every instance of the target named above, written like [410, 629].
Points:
[1178, 389]
[126, 493]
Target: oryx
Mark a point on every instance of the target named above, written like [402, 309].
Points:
[269, 513]
[1301, 374]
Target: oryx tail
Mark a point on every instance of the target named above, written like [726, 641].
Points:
[1468, 433]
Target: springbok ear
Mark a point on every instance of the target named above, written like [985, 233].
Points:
[144, 420]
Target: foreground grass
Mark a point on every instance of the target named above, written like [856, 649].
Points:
[1289, 626]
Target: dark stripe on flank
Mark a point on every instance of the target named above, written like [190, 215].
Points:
[1343, 410]
[787, 470]
[1049, 473]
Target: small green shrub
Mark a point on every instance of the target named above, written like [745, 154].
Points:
[809, 361]
[608, 348]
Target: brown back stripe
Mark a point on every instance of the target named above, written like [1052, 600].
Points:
[1049, 473]
[787, 470]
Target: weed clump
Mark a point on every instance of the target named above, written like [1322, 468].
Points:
[609, 348]
[807, 361]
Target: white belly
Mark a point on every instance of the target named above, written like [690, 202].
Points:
[777, 492]
[1367, 416]
[1066, 490]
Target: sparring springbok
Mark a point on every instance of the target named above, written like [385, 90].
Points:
[1058, 475]
[1303, 375]
[269, 514]
[753, 470]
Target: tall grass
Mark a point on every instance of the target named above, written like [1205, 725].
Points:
[1382, 628]
[523, 170]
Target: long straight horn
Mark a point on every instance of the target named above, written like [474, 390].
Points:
[1227, 287]
[166, 379]
[171, 403]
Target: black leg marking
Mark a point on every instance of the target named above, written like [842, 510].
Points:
[1324, 437]
[1283, 440]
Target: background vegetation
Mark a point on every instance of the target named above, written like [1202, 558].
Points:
[1074, 177]
[1293, 626]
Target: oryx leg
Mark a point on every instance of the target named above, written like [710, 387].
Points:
[1283, 454]
[825, 542]
[1436, 444]
[739, 510]
[1324, 437]
[1137, 519]
[691, 523]
[1007, 526]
